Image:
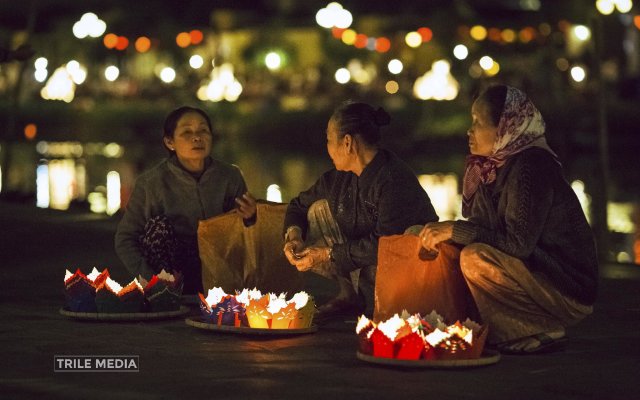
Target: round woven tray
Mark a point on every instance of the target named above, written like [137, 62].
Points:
[201, 323]
[95, 316]
[488, 357]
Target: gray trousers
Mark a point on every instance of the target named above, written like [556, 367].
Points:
[512, 300]
[325, 232]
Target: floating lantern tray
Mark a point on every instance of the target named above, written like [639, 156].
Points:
[488, 357]
[140, 316]
[202, 323]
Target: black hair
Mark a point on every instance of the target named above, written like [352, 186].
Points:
[360, 119]
[171, 121]
[493, 98]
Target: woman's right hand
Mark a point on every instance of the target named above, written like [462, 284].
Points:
[291, 250]
[435, 232]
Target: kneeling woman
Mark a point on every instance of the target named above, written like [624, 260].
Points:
[159, 227]
[529, 257]
[370, 193]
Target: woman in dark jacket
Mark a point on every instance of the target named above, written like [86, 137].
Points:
[370, 193]
[529, 254]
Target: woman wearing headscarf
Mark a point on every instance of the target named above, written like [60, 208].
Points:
[332, 228]
[529, 255]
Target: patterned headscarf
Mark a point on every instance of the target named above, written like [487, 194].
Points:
[521, 127]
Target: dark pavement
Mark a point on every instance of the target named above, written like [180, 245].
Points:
[179, 361]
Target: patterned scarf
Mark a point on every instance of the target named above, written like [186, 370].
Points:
[521, 127]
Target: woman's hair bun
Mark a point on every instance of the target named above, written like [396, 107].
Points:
[381, 117]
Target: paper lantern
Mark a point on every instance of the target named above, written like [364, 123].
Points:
[113, 298]
[164, 291]
[80, 289]
[411, 337]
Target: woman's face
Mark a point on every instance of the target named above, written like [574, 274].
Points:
[336, 147]
[482, 133]
[191, 138]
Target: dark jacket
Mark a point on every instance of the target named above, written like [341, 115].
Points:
[532, 213]
[168, 189]
[384, 200]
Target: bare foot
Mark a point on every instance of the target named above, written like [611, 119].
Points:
[531, 344]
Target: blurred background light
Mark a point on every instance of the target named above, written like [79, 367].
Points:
[342, 75]
[437, 83]
[142, 44]
[196, 61]
[413, 39]
[167, 74]
[578, 73]
[460, 52]
[395, 66]
[111, 73]
[392, 87]
[274, 194]
[89, 25]
[273, 61]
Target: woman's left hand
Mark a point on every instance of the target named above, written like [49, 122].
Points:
[246, 205]
[311, 257]
[434, 233]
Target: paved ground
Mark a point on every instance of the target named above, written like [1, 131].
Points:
[179, 361]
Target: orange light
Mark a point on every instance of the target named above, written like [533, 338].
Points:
[636, 21]
[383, 45]
[30, 131]
[337, 32]
[527, 34]
[110, 40]
[183, 39]
[196, 36]
[563, 25]
[463, 31]
[122, 44]
[143, 44]
[361, 41]
[426, 34]
[495, 34]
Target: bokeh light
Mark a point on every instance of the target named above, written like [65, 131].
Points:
[196, 36]
[143, 44]
[111, 73]
[167, 74]
[392, 87]
[460, 52]
[273, 61]
[478, 32]
[395, 66]
[413, 39]
[196, 61]
[343, 76]
[578, 73]
[183, 39]
[30, 131]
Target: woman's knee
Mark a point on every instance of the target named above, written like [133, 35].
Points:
[471, 259]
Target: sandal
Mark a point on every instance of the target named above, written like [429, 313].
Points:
[547, 344]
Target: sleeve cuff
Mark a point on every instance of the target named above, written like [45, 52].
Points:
[464, 232]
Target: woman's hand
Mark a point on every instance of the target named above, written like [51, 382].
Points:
[246, 206]
[292, 249]
[435, 232]
[293, 244]
[311, 257]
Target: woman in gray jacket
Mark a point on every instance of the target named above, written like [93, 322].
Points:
[159, 227]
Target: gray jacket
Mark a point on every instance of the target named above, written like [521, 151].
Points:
[168, 189]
